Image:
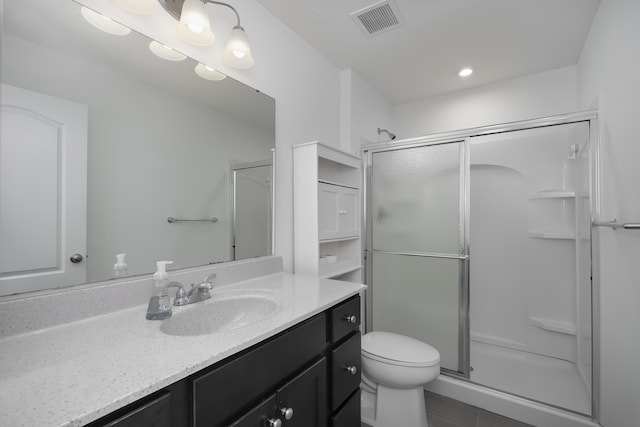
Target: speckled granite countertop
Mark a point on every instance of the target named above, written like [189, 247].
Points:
[74, 373]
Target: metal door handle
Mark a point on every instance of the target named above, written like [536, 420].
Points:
[75, 258]
[274, 422]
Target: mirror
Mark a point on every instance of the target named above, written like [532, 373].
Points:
[160, 143]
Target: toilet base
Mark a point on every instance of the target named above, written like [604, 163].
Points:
[387, 407]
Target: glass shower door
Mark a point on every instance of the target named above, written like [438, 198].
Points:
[416, 247]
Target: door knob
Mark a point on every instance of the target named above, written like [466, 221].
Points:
[287, 413]
[274, 422]
[75, 258]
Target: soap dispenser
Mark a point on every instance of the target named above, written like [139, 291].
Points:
[160, 303]
[120, 267]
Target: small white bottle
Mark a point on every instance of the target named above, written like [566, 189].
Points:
[160, 304]
[120, 267]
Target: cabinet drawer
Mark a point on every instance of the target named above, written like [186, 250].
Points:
[345, 370]
[343, 320]
[349, 414]
[224, 391]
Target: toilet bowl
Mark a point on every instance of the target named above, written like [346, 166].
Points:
[394, 370]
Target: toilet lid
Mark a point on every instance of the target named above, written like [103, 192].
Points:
[399, 349]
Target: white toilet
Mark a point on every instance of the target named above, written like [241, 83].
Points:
[394, 370]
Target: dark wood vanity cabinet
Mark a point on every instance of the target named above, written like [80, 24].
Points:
[306, 376]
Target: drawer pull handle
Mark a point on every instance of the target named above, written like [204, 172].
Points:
[274, 422]
[351, 369]
[351, 319]
[287, 413]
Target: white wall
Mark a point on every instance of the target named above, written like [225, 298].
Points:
[363, 111]
[306, 87]
[608, 73]
[538, 95]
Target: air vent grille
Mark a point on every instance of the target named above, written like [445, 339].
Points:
[378, 18]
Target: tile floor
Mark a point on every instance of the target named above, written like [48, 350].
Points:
[445, 412]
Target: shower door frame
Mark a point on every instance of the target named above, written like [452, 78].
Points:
[465, 135]
[463, 246]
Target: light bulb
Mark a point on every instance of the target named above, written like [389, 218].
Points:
[194, 27]
[465, 72]
[237, 50]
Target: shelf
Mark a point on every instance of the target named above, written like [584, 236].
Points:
[339, 268]
[341, 239]
[339, 184]
[553, 194]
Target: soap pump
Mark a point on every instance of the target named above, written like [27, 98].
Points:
[120, 267]
[160, 303]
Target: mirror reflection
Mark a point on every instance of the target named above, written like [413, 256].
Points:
[103, 142]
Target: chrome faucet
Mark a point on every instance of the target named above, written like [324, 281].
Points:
[196, 293]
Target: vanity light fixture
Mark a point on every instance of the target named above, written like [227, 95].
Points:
[195, 28]
[209, 73]
[165, 52]
[104, 23]
[465, 72]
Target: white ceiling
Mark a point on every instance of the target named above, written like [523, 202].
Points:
[501, 39]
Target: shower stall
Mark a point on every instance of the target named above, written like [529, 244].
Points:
[478, 242]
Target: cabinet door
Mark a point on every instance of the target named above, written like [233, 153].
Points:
[224, 391]
[337, 212]
[349, 414]
[263, 415]
[303, 401]
[348, 212]
[328, 196]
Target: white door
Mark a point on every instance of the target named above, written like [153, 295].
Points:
[43, 191]
[252, 211]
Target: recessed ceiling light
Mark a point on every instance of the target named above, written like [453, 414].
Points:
[465, 72]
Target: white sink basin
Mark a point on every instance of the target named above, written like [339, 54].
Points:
[225, 311]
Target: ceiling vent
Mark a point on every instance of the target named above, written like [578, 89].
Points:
[378, 18]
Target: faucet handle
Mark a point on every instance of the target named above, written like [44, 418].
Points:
[181, 296]
[205, 286]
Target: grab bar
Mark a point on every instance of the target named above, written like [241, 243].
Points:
[171, 220]
[615, 224]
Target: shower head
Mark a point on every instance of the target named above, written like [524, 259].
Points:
[392, 136]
